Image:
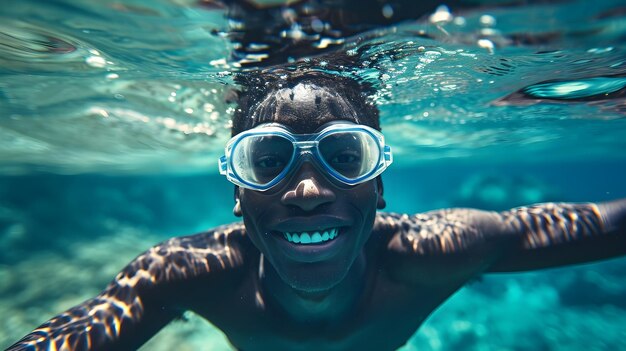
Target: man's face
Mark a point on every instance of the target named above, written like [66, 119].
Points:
[308, 201]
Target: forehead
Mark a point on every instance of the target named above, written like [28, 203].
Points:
[305, 107]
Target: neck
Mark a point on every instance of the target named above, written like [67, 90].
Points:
[327, 305]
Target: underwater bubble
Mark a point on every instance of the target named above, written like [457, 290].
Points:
[600, 50]
[219, 63]
[429, 56]
[326, 42]
[442, 15]
[489, 32]
[289, 15]
[387, 11]
[486, 44]
[448, 87]
[317, 25]
[236, 24]
[487, 20]
[459, 21]
[208, 107]
[96, 61]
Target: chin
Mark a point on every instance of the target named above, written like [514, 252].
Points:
[314, 277]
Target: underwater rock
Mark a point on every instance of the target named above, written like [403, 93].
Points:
[495, 192]
[39, 212]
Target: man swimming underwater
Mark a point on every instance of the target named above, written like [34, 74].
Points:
[314, 266]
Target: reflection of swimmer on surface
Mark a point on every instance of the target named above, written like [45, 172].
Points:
[273, 34]
[312, 253]
[265, 33]
[313, 265]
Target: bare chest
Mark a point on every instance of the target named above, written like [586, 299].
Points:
[384, 320]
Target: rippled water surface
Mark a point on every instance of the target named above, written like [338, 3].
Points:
[114, 86]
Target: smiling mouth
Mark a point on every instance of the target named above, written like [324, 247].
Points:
[312, 237]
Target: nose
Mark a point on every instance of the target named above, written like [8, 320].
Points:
[308, 193]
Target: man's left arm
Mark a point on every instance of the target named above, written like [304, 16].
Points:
[555, 234]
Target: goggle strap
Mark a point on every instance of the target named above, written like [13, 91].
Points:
[222, 163]
[387, 154]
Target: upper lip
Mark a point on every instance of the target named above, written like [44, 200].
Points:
[313, 223]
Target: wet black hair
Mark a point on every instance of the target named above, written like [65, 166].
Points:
[257, 86]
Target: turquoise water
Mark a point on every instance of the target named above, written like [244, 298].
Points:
[112, 116]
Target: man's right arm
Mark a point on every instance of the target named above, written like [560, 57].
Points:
[141, 299]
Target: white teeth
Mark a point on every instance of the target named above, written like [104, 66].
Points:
[314, 238]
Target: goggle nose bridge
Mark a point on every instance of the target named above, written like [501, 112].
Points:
[306, 144]
[304, 150]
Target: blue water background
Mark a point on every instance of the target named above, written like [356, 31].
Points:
[112, 116]
[66, 236]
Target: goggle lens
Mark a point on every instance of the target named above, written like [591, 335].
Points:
[260, 159]
[351, 154]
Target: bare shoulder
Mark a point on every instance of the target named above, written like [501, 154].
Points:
[438, 232]
[443, 248]
[143, 296]
[183, 257]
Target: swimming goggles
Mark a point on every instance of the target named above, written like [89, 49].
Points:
[261, 157]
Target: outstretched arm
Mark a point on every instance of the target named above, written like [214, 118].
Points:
[142, 297]
[449, 243]
[558, 234]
